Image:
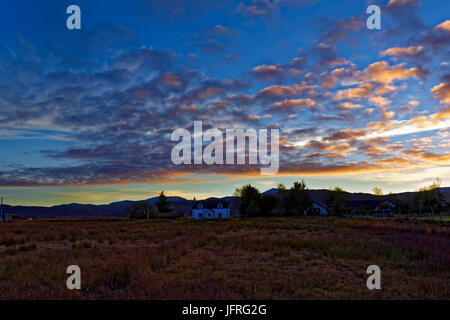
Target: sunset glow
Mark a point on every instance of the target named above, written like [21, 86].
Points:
[86, 116]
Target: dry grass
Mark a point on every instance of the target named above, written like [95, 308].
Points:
[313, 258]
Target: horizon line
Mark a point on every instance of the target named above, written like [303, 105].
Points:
[201, 198]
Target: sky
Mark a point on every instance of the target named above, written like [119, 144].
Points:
[87, 115]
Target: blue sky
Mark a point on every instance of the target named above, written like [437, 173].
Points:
[86, 115]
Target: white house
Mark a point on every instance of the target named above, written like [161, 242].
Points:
[211, 209]
[319, 208]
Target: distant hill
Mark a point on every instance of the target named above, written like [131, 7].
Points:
[270, 191]
[405, 196]
[114, 209]
[320, 195]
[178, 204]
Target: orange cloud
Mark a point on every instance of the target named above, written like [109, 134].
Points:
[337, 169]
[277, 90]
[402, 52]
[384, 74]
[280, 90]
[189, 107]
[294, 103]
[349, 106]
[341, 148]
[444, 114]
[219, 105]
[268, 72]
[340, 74]
[437, 120]
[444, 26]
[253, 117]
[379, 101]
[344, 135]
[171, 79]
[442, 92]
[421, 154]
[363, 91]
[396, 161]
[387, 115]
[437, 158]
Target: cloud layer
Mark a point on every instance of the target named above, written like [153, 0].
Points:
[115, 101]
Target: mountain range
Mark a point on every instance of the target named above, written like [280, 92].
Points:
[178, 204]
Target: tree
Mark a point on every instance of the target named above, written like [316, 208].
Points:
[436, 184]
[377, 191]
[338, 189]
[430, 197]
[404, 205]
[267, 204]
[250, 197]
[336, 204]
[237, 192]
[162, 204]
[253, 209]
[281, 187]
[140, 210]
[299, 199]
[281, 202]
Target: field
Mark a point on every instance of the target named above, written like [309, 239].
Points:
[267, 258]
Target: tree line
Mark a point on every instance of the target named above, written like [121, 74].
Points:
[428, 199]
[144, 210]
[293, 202]
[297, 201]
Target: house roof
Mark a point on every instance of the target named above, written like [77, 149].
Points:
[318, 199]
[320, 204]
[211, 203]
